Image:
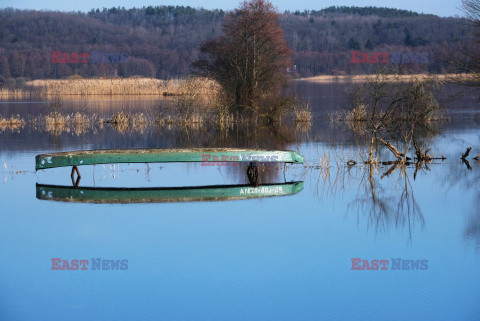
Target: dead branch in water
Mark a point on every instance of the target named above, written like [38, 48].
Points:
[401, 157]
[464, 158]
[391, 169]
[421, 156]
[466, 154]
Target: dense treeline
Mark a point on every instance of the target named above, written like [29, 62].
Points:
[164, 41]
[323, 44]
[364, 11]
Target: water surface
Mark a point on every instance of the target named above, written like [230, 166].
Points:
[269, 258]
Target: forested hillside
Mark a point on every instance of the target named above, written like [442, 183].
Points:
[164, 41]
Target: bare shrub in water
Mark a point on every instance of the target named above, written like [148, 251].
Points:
[382, 109]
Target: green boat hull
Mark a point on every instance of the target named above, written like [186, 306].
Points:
[163, 195]
[210, 156]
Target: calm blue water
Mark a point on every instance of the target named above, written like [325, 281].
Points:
[279, 258]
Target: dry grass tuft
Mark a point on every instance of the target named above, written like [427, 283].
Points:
[302, 127]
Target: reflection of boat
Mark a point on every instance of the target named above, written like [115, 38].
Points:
[209, 156]
[163, 195]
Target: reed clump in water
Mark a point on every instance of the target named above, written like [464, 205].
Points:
[55, 121]
[79, 119]
[302, 114]
[58, 123]
[124, 121]
[81, 123]
[140, 120]
[120, 121]
[357, 113]
[12, 123]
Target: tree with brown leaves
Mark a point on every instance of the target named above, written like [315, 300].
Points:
[251, 58]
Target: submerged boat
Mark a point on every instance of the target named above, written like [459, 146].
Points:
[208, 157]
[212, 155]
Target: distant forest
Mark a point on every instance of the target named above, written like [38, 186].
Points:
[163, 42]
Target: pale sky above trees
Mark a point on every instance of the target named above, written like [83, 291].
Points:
[439, 7]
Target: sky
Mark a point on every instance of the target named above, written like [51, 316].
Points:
[442, 8]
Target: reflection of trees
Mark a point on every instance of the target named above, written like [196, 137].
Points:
[384, 195]
[465, 178]
[472, 230]
[238, 135]
[388, 202]
[397, 118]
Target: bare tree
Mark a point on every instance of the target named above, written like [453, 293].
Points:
[467, 59]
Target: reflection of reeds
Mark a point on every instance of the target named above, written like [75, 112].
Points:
[180, 120]
[12, 123]
[79, 123]
[17, 93]
[303, 127]
[194, 119]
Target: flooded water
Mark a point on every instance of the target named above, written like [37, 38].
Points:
[195, 242]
